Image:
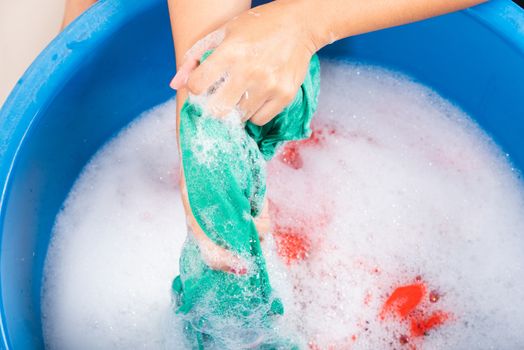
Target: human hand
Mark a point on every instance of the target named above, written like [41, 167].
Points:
[219, 258]
[213, 255]
[73, 9]
[260, 59]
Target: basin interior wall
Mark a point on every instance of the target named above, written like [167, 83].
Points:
[127, 72]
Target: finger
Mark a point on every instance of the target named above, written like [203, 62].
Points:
[193, 55]
[182, 75]
[208, 76]
[218, 258]
[268, 111]
[237, 266]
[251, 101]
[227, 96]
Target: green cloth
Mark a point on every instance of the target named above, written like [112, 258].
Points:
[224, 168]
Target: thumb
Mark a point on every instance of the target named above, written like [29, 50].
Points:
[182, 74]
[193, 55]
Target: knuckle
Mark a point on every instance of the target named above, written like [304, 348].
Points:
[287, 93]
[271, 81]
[259, 120]
[287, 97]
[259, 73]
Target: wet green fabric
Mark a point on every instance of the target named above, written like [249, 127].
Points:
[224, 168]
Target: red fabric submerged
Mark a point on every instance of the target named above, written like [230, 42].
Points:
[290, 153]
[411, 307]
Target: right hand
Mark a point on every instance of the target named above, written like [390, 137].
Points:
[259, 61]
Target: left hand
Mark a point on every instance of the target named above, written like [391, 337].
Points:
[260, 59]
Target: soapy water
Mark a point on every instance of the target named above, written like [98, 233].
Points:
[397, 225]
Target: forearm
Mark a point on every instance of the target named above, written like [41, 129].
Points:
[330, 20]
[192, 20]
[73, 9]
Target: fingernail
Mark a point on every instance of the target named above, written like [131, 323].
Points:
[173, 84]
[241, 271]
[179, 80]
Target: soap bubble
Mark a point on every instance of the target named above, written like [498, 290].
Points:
[397, 197]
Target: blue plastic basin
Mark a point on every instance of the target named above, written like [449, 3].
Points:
[116, 61]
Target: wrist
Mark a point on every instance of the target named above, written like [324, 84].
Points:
[315, 22]
[295, 19]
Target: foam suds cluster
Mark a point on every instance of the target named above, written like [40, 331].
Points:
[397, 225]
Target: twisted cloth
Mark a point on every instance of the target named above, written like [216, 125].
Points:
[223, 162]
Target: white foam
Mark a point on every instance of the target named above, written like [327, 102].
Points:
[406, 186]
[114, 251]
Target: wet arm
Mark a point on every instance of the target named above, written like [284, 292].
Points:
[191, 20]
[331, 20]
[73, 9]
